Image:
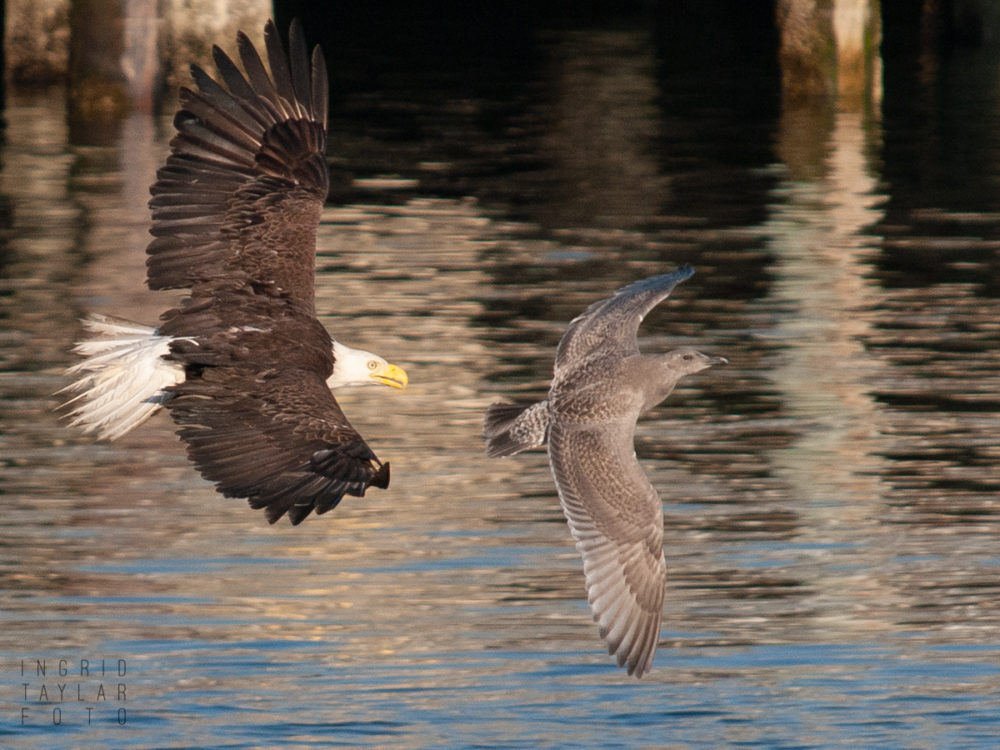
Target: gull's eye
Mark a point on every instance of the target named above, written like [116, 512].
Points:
[687, 357]
[372, 364]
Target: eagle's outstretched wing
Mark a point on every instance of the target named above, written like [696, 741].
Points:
[240, 195]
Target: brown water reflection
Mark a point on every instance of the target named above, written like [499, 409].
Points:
[832, 520]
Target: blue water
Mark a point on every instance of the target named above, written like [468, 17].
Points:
[258, 693]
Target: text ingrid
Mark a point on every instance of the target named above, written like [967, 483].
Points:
[88, 682]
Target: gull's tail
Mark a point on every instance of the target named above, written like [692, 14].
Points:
[512, 428]
[121, 381]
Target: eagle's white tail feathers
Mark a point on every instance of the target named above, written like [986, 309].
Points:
[120, 383]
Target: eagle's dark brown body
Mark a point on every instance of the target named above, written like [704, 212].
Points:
[235, 211]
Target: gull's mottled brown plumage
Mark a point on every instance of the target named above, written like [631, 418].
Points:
[601, 385]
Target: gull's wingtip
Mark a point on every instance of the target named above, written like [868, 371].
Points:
[664, 280]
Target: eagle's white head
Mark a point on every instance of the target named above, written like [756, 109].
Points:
[358, 367]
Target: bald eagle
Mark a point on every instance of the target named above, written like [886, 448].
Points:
[243, 366]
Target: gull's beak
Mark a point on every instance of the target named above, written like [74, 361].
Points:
[718, 361]
[390, 375]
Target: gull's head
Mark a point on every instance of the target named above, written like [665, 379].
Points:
[687, 361]
[358, 367]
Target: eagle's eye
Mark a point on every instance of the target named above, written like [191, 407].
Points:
[372, 364]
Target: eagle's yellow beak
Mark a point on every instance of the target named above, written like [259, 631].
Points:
[391, 375]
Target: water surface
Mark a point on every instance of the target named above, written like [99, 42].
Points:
[832, 523]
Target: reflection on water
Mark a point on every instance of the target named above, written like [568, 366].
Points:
[830, 497]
